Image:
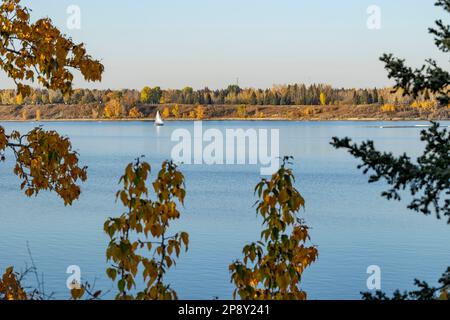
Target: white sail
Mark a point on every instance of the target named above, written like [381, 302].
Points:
[159, 121]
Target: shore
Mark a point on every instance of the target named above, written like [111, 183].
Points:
[95, 113]
[227, 119]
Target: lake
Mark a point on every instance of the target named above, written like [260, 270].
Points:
[352, 225]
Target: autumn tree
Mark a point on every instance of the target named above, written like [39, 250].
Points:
[140, 238]
[241, 111]
[145, 95]
[19, 99]
[38, 51]
[11, 287]
[176, 111]
[113, 109]
[278, 95]
[135, 113]
[166, 113]
[45, 160]
[272, 268]
[323, 99]
[200, 110]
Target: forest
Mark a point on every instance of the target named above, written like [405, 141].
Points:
[284, 95]
[288, 102]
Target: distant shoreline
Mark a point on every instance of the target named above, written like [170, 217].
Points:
[227, 119]
[147, 113]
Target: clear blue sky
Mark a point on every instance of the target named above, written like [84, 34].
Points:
[176, 43]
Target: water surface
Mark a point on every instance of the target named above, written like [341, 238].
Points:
[351, 224]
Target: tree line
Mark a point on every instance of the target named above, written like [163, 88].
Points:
[295, 94]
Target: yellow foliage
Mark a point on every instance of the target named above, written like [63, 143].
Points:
[135, 113]
[10, 287]
[19, 99]
[145, 94]
[323, 99]
[309, 111]
[45, 161]
[166, 113]
[241, 111]
[200, 112]
[423, 105]
[39, 51]
[144, 228]
[176, 111]
[388, 108]
[24, 115]
[274, 272]
[113, 109]
[38, 115]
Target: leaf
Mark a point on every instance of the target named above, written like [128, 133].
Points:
[112, 273]
[185, 238]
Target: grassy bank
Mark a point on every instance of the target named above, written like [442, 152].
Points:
[93, 112]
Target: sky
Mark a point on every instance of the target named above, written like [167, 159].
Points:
[199, 43]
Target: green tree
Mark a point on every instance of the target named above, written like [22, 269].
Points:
[253, 99]
[376, 98]
[155, 95]
[235, 89]
[146, 95]
[188, 93]
[208, 99]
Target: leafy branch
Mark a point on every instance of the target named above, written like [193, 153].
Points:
[428, 179]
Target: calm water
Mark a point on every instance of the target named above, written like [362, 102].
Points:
[352, 225]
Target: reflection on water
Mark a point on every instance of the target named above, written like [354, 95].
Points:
[352, 225]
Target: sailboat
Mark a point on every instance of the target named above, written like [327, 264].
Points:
[159, 121]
